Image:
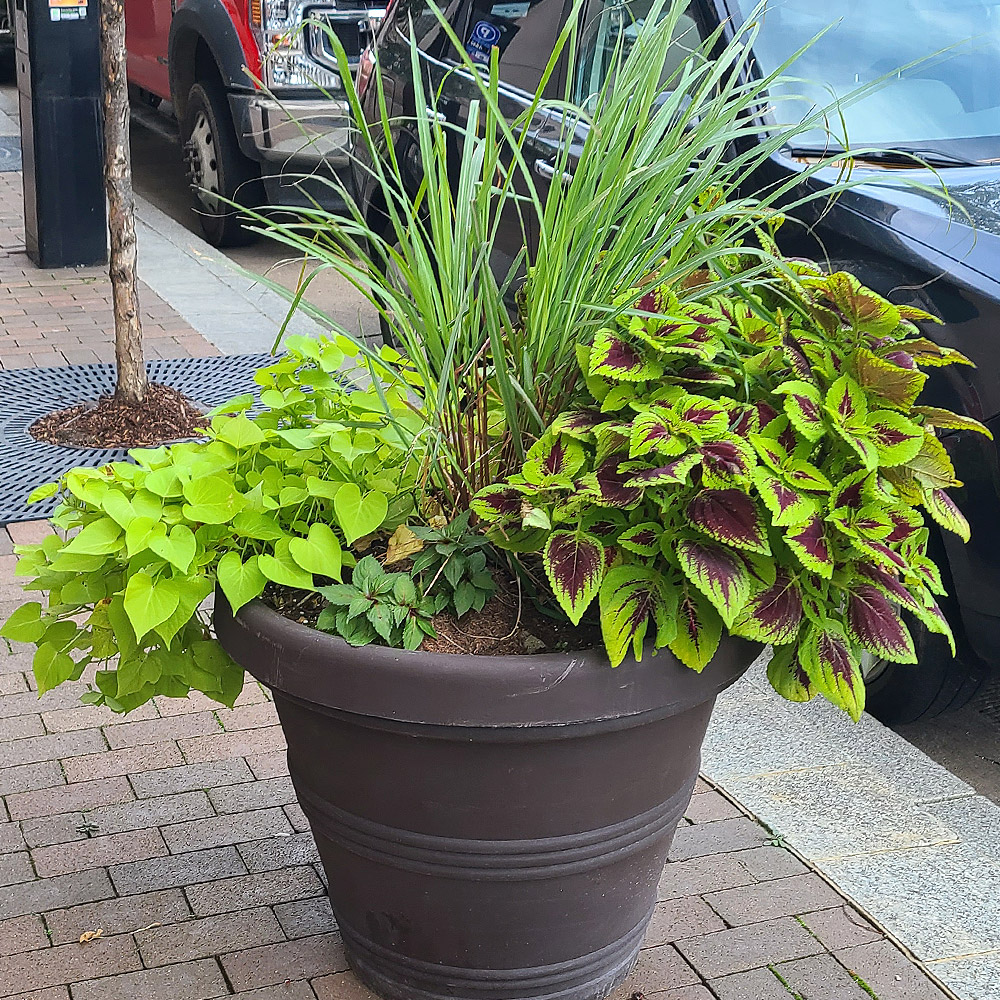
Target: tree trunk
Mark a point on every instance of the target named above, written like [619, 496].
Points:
[132, 383]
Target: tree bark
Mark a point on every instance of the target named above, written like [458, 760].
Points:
[132, 383]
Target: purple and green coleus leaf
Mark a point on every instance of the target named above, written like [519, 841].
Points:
[867, 523]
[788, 677]
[574, 564]
[888, 584]
[730, 517]
[931, 467]
[873, 622]
[642, 539]
[945, 511]
[896, 439]
[945, 419]
[719, 573]
[804, 408]
[579, 424]
[925, 352]
[608, 485]
[499, 503]
[553, 459]
[630, 596]
[891, 384]
[863, 309]
[697, 415]
[728, 461]
[616, 357]
[774, 615]
[825, 655]
[788, 506]
[676, 471]
[906, 522]
[811, 546]
[880, 553]
[932, 617]
[852, 491]
[654, 430]
[846, 405]
[699, 629]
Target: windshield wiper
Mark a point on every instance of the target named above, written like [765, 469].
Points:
[896, 157]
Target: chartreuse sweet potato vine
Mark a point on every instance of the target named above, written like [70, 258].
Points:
[278, 497]
[752, 462]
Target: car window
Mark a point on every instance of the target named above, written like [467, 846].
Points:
[610, 30]
[524, 32]
[428, 31]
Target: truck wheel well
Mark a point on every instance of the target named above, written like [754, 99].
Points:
[191, 61]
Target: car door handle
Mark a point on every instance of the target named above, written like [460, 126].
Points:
[435, 115]
[546, 169]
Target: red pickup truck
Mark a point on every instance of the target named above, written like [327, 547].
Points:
[257, 95]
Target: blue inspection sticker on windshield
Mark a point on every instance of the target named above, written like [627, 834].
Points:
[483, 37]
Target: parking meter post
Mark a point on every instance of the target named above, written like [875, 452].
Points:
[131, 369]
[59, 91]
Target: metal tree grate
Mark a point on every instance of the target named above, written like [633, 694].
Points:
[29, 393]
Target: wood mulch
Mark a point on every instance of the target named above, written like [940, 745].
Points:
[506, 626]
[164, 415]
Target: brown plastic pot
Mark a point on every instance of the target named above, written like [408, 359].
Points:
[492, 828]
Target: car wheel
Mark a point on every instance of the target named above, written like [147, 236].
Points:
[217, 169]
[897, 693]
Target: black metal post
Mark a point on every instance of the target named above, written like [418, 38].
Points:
[59, 86]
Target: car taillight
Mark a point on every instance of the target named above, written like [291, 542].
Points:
[366, 67]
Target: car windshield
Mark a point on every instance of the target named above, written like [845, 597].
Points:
[949, 101]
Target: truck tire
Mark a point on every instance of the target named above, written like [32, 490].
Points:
[898, 693]
[218, 171]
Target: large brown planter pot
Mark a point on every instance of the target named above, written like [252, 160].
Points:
[492, 828]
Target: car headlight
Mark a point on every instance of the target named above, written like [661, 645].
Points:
[283, 40]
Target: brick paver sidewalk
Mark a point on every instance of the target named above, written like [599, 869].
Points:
[174, 832]
[58, 317]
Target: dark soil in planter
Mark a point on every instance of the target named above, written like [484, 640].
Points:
[165, 415]
[507, 626]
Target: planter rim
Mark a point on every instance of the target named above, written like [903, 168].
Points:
[464, 690]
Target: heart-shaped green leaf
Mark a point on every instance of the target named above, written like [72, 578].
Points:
[99, 538]
[51, 667]
[148, 604]
[239, 431]
[359, 514]
[282, 568]
[178, 548]
[240, 581]
[319, 553]
[25, 624]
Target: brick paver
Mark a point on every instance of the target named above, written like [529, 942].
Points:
[64, 317]
[175, 832]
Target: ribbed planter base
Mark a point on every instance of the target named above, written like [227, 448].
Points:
[492, 828]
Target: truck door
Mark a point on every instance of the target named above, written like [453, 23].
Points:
[147, 29]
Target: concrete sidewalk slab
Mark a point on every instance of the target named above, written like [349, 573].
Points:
[909, 842]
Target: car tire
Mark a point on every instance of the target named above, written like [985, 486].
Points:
[217, 166]
[898, 693]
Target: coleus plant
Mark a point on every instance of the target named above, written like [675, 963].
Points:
[754, 462]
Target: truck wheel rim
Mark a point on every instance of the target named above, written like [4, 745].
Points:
[872, 666]
[203, 164]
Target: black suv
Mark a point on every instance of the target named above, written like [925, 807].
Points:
[909, 243]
